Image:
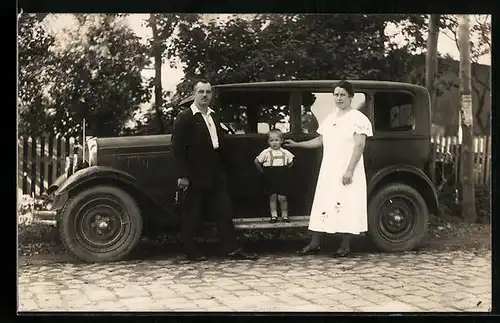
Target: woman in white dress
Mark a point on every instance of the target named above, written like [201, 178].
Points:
[340, 201]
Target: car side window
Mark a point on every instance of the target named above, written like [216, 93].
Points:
[317, 105]
[254, 112]
[394, 111]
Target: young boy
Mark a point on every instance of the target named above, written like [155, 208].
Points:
[274, 162]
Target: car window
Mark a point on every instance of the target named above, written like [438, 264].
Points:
[394, 111]
[317, 105]
[254, 112]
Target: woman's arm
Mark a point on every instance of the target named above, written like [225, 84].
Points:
[359, 147]
[308, 144]
[357, 152]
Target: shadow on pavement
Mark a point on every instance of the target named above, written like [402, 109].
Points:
[263, 247]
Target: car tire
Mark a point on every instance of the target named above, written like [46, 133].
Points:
[397, 218]
[100, 224]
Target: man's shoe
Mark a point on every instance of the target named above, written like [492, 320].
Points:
[196, 258]
[240, 255]
[309, 250]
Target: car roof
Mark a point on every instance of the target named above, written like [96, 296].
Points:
[319, 83]
[372, 84]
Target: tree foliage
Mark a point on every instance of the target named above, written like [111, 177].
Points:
[163, 27]
[96, 75]
[292, 47]
[101, 78]
[35, 58]
[282, 47]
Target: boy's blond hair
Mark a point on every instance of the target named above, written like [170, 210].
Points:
[276, 131]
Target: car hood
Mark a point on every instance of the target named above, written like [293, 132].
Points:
[134, 141]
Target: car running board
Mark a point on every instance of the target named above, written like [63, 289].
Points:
[263, 223]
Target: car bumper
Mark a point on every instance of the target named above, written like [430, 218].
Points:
[50, 214]
[45, 218]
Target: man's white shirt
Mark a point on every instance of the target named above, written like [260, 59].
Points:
[209, 122]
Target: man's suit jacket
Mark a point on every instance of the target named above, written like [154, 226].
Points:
[195, 157]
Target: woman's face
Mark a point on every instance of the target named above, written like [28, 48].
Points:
[342, 98]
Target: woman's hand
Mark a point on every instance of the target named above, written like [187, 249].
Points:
[347, 178]
[290, 143]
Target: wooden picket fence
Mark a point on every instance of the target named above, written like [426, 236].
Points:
[41, 160]
[450, 148]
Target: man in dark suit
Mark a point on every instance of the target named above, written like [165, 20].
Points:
[197, 145]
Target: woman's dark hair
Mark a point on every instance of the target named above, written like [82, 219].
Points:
[346, 85]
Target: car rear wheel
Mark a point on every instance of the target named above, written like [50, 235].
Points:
[397, 218]
[100, 224]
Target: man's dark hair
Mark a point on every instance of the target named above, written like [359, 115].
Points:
[199, 81]
[346, 85]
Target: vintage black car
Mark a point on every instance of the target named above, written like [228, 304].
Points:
[128, 184]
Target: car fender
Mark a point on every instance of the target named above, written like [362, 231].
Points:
[57, 183]
[406, 173]
[86, 175]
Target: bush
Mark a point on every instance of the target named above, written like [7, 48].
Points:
[27, 231]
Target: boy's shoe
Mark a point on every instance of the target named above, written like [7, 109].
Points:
[287, 220]
[273, 220]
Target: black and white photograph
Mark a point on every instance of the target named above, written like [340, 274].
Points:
[291, 162]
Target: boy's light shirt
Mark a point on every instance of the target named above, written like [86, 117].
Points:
[275, 157]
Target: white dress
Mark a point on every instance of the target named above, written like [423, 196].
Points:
[339, 208]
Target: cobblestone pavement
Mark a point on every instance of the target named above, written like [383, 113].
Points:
[424, 281]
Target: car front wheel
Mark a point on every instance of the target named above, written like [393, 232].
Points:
[100, 224]
[397, 218]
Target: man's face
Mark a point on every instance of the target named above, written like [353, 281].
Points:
[202, 94]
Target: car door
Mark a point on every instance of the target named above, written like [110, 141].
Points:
[395, 131]
[249, 114]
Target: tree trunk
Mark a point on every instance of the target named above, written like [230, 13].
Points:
[431, 59]
[468, 208]
[431, 65]
[157, 55]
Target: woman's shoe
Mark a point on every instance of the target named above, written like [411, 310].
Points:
[309, 250]
[273, 220]
[341, 252]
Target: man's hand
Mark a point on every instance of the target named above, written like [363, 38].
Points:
[183, 183]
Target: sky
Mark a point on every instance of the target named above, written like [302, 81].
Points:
[171, 76]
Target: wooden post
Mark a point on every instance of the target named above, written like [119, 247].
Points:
[487, 157]
[46, 161]
[431, 59]
[431, 67]
[54, 160]
[20, 157]
[467, 203]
